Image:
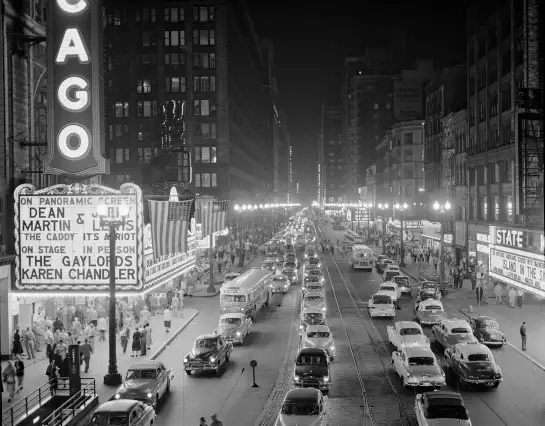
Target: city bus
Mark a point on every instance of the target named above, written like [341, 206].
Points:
[362, 257]
[247, 293]
[353, 237]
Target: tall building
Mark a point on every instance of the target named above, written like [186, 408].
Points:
[197, 80]
[331, 164]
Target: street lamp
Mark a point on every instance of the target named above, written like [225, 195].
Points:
[112, 218]
[384, 207]
[402, 208]
[442, 208]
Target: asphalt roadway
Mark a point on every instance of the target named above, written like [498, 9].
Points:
[519, 400]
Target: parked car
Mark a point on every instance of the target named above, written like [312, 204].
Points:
[234, 327]
[381, 266]
[210, 352]
[453, 331]
[487, 331]
[304, 407]
[430, 312]
[318, 336]
[147, 381]
[407, 334]
[312, 369]
[123, 412]
[418, 367]
[473, 363]
[381, 305]
[441, 408]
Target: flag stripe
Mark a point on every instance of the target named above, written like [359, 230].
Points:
[169, 224]
[212, 215]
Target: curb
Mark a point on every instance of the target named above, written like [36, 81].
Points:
[205, 295]
[524, 354]
[173, 336]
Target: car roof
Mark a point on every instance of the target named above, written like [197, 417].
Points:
[407, 324]
[145, 365]
[117, 406]
[439, 397]
[473, 348]
[232, 274]
[484, 318]
[432, 302]
[208, 337]
[419, 351]
[389, 284]
[318, 329]
[232, 315]
[383, 293]
[313, 293]
[312, 351]
[302, 395]
[312, 311]
[455, 323]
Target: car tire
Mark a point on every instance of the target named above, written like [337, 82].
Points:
[226, 359]
[496, 385]
[167, 390]
[156, 402]
[188, 372]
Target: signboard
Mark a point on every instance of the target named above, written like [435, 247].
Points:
[482, 243]
[168, 267]
[521, 269]
[408, 224]
[74, 368]
[361, 215]
[431, 230]
[75, 93]
[460, 233]
[522, 239]
[60, 244]
[408, 100]
[448, 238]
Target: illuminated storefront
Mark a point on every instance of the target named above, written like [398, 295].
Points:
[517, 258]
[431, 235]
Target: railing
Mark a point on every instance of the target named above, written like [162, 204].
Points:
[31, 402]
[73, 406]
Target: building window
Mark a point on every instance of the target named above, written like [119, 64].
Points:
[207, 131]
[204, 37]
[143, 86]
[494, 104]
[118, 132]
[202, 107]
[175, 85]
[408, 138]
[205, 154]
[118, 110]
[206, 180]
[174, 59]
[203, 13]
[509, 208]
[146, 108]
[174, 38]
[145, 38]
[125, 109]
[174, 14]
[204, 84]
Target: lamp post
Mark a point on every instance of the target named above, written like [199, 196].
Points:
[112, 218]
[402, 208]
[384, 207]
[442, 208]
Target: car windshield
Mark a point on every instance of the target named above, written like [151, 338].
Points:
[231, 321]
[433, 308]
[421, 360]
[488, 324]
[314, 288]
[459, 330]
[109, 419]
[390, 274]
[314, 299]
[233, 298]
[410, 332]
[426, 296]
[382, 300]
[314, 272]
[447, 410]
[205, 344]
[387, 288]
[429, 285]
[318, 335]
[279, 278]
[311, 360]
[314, 261]
[401, 280]
[478, 357]
[313, 319]
[289, 265]
[141, 374]
[300, 409]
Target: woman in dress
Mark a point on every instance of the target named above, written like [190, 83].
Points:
[136, 342]
[8, 377]
[19, 372]
[17, 348]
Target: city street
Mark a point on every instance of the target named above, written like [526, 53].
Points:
[515, 402]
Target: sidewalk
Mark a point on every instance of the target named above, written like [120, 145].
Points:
[35, 369]
[202, 290]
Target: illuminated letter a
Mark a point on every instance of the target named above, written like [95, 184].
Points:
[72, 45]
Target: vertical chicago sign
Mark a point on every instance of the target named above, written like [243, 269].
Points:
[75, 126]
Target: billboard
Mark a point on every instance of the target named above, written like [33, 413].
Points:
[408, 100]
[75, 92]
[61, 246]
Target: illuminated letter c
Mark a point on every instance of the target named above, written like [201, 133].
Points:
[71, 7]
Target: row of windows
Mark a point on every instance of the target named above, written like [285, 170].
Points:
[491, 208]
[201, 107]
[206, 180]
[140, 155]
[175, 38]
[171, 14]
[205, 131]
[205, 154]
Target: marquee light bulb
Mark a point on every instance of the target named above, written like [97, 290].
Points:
[84, 141]
[81, 96]
[71, 7]
[72, 45]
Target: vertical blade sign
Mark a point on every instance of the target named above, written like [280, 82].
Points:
[75, 98]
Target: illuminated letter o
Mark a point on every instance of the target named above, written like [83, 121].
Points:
[81, 96]
[84, 141]
[72, 8]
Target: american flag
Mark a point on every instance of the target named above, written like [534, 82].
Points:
[169, 224]
[212, 215]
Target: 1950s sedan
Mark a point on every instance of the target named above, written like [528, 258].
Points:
[234, 327]
[313, 300]
[318, 336]
[147, 381]
[453, 331]
[473, 363]
[304, 407]
[418, 367]
[210, 352]
[123, 412]
[430, 312]
[441, 408]
[407, 334]
[311, 316]
[280, 284]
[487, 331]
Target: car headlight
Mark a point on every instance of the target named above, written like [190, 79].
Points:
[326, 379]
[212, 359]
[301, 327]
[238, 333]
[117, 396]
[186, 359]
[296, 378]
[271, 286]
[149, 395]
[323, 309]
[286, 286]
[332, 347]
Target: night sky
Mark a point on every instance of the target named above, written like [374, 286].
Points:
[311, 40]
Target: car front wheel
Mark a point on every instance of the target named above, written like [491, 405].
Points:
[188, 372]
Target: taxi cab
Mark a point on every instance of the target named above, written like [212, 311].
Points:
[123, 412]
[318, 336]
[453, 331]
[430, 312]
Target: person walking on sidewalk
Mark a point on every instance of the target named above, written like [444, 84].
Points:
[520, 297]
[85, 352]
[124, 336]
[498, 292]
[19, 372]
[512, 297]
[8, 377]
[29, 340]
[149, 341]
[523, 335]
[17, 347]
[215, 421]
[143, 340]
[51, 373]
[135, 342]
[167, 318]
[102, 326]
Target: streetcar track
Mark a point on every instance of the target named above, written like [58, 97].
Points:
[381, 401]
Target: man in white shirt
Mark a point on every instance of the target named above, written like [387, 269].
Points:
[101, 327]
[167, 318]
[49, 341]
